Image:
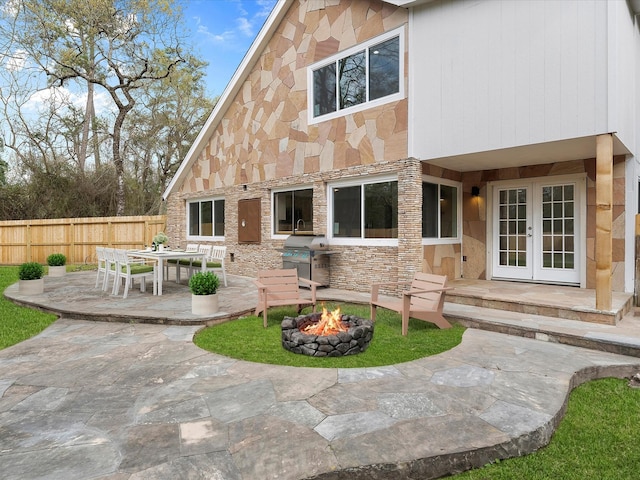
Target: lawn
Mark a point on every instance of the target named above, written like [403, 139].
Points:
[247, 339]
[597, 439]
[18, 323]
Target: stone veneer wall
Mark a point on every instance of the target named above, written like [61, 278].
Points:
[265, 142]
[265, 134]
[443, 259]
[353, 267]
[475, 215]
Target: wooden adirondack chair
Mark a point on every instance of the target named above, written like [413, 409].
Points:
[423, 300]
[280, 287]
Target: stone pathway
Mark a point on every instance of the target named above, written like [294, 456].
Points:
[92, 400]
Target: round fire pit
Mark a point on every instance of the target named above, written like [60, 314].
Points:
[355, 339]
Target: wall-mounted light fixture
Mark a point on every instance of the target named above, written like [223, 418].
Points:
[475, 191]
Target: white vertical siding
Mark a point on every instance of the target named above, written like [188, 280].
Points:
[490, 74]
[624, 54]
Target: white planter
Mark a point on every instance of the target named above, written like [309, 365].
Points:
[31, 287]
[161, 247]
[204, 304]
[58, 271]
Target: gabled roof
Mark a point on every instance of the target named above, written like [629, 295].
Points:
[238, 78]
[231, 90]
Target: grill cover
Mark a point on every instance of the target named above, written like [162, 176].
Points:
[306, 242]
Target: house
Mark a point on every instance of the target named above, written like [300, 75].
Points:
[481, 139]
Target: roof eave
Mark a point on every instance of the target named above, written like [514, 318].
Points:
[230, 92]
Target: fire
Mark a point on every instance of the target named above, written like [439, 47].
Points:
[330, 323]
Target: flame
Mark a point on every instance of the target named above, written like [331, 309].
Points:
[330, 323]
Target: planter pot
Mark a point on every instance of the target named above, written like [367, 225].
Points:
[58, 271]
[204, 304]
[31, 287]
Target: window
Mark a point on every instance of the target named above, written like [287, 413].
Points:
[293, 212]
[364, 74]
[205, 218]
[440, 210]
[365, 211]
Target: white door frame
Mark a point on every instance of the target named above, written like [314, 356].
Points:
[581, 217]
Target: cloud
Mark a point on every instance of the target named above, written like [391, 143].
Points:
[244, 23]
[41, 100]
[245, 27]
[16, 61]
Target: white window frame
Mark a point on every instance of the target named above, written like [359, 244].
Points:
[217, 238]
[360, 181]
[398, 32]
[275, 235]
[449, 240]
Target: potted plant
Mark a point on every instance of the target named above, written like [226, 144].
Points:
[204, 289]
[159, 240]
[57, 262]
[31, 281]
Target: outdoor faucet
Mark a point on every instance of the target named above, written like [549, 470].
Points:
[298, 223]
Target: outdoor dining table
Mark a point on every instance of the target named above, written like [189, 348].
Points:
[166, 254]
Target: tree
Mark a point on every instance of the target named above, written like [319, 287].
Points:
[121, 46]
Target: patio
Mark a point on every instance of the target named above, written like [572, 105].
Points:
[120, 398]
[544, 312]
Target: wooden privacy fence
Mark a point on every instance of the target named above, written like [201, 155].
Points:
[34, 240]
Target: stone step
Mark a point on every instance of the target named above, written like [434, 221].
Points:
[526, 305]
[623, 338]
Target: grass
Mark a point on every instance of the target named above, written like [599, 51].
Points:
[597, 439]
[18, 323]
[247, 339]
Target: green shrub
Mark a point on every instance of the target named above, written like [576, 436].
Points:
[204, 283]
[30, 271]
[56, 260]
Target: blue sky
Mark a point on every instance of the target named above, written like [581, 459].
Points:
[222, 31]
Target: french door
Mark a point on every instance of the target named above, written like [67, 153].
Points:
[536, 230]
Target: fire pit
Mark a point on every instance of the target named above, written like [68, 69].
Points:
[326, 334]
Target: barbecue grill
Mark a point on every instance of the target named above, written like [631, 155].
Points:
[309, 255]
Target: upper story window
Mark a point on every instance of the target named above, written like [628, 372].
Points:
[293, 212]
[205, 218]
[364, 210]
[361, 77]
[440, 209]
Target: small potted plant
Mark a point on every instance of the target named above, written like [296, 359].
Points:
[159, 240]
[57, 262]
[31, 278]
[204, 293]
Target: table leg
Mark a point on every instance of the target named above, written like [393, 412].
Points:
[160, 275]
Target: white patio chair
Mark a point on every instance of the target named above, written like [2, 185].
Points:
[110, 266]
[195, 264]
[102, 267]
[129, 269]
[183, 263]
[215, 261]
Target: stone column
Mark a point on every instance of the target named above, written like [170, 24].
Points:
[409, 219]
[604, 220]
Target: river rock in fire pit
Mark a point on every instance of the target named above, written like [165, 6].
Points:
[355, 339]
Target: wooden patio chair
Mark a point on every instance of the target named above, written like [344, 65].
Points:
[424, 300]
[280, 287]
